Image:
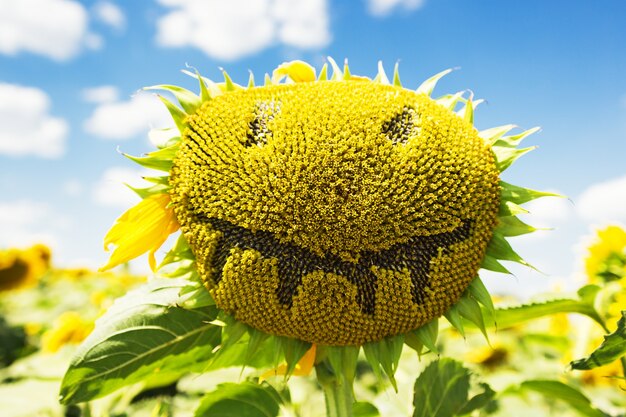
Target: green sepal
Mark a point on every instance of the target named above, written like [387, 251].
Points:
[150, 191]
[428, 86]
[257, 338]
[342, 360]
[267, 80]
[230, 86]
[396, 75]
[427, 335]
[178, 115]
[468, 112]
[513, 141]
[204, 92]
[293, 350]
[508, 208]
[480, 293]
[521, 195]
[449, 101]
[337, 75]
[385, 354]
[512, 226]
[505, 156]
[198, 298]
[492, 264]
[500, 248]
[492, 134]
[453, 316]
[381, 77]
[161, 159]
[323, 73]
[251, 80]
[188, 100]
[232, 332]
[346, 70]
[470, 310]
[171, 133]
[163, 180]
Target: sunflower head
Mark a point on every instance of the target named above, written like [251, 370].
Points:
[20, 268]
[335, 211]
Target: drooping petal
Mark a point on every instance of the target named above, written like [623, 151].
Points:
[303, 367]
[143, 228]
[298, 71]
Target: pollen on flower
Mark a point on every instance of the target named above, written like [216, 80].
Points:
[334, 212]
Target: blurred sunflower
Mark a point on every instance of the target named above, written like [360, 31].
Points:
[606, 259]
[22, 268]
[68, 328]
[330, 212]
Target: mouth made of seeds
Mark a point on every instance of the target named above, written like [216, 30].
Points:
[294, 262]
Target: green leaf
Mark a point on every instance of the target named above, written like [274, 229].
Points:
[237, 400]
[363, 409]
[513, 316]
[479, 401]
[557, 390]
[188, 100]
[144, 334]
[612, 348]
[441, 390]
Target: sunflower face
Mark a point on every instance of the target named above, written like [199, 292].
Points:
[336, 212]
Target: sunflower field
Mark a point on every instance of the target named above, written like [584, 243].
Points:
[324, 237]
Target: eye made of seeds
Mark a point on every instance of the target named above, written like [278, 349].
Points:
[259, 132]
[401, 127]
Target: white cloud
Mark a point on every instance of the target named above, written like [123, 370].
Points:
[232, 29]
[110, 14]
[549, 212]
[54, 28]
[24, 223]
[26, 128]
[101, 94]
[385, 7]
[126, 119]
[111, 190]
[604, 202]
[73, 187]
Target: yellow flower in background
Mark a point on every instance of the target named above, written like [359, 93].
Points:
[69, 327]
[607, 254]
[23, 268]
[143, 228]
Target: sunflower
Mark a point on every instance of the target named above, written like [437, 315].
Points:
[22, 268]
[332, 212]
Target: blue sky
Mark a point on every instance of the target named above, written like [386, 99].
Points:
[68, 70]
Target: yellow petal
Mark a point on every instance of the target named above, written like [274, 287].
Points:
[143, 228]
[298, 71]
[303, 367]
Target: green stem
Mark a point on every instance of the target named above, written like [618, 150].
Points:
[337, 392]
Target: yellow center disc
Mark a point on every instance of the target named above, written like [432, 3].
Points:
[334, 212]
